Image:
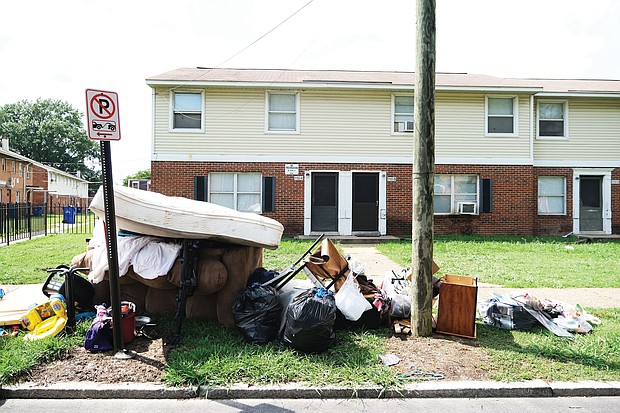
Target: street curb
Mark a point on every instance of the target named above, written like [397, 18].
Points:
[89, 390]
[456, 389]
[448, 389]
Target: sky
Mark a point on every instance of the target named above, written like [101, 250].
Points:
[58, 49]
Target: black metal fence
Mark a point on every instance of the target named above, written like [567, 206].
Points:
[24, 221]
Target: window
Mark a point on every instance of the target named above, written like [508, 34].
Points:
[282, 112]
[3, 165]
[13, 166]
[403, 113]
[187, 110]
[237, 191]
[552, 119]
[501, 116]
[455, 193]
[28, 171]
[21, 170]
[551, 195]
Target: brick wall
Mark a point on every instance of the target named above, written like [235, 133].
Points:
[514, 208]
[512, 202]
[615, 202]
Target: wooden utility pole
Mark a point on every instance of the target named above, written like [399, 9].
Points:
[423, 171]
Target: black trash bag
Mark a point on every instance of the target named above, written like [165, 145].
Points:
[262, 276]
[258, 311]
[309, 324]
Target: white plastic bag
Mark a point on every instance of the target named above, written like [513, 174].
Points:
[350, 301]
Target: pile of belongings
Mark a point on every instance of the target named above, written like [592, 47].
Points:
[303, 314]
[522, 311]
[397, 286]
[359, 302]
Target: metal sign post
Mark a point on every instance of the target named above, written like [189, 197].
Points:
[104, 125]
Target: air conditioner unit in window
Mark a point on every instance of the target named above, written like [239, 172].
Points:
[467, 208]
[405, 126]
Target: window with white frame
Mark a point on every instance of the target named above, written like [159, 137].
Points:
[552, 119]
[402, 107]
[3, 165]
[282, 111]
[240, 191]
[551, 195]
[456, 194]
[501, 116]
[187, 108]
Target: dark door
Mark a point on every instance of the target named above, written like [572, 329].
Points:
[365, 202]
[590, 203]
[324, 207]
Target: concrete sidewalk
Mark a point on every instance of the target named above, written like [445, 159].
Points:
[376, 264]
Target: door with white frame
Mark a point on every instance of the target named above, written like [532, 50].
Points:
[592, 201]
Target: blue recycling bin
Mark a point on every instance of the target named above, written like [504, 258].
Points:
[37, 211]
[68, 215]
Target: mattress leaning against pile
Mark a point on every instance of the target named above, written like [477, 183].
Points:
[230, 248]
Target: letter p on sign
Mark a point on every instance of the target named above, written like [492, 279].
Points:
[102, 118]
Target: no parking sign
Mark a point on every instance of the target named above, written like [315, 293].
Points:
[102, 115]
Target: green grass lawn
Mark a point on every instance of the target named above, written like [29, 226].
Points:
[521, 262]
[213, 355]
[26, 262]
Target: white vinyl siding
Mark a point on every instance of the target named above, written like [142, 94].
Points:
[351, 124]
[460, 131]
[551, 195]
[594, 126]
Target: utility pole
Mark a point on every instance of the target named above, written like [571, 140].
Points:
[423, 171]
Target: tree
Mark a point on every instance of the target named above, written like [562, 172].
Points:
[146, 174]
[51, 132]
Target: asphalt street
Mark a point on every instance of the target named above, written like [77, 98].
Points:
[504, 405]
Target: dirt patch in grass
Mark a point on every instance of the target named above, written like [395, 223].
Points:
[455, 358]
[81, 365]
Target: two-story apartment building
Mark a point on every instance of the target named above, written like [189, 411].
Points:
[25, 180]
[331, 151]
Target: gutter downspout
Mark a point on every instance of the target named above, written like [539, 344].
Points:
[532, 129]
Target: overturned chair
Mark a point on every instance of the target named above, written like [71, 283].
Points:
[326, 267]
